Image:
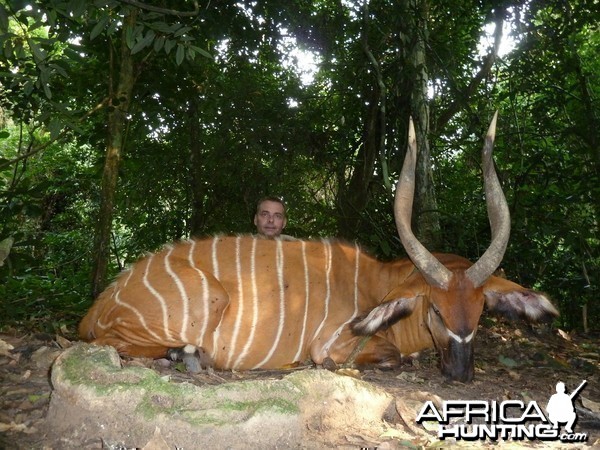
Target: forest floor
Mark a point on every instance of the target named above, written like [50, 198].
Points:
[511, 364]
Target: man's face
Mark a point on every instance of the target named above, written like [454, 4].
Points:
[270, 218]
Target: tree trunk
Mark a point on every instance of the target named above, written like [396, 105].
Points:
[198, 217]
[353, 197]
[117, 118]
[426, 223]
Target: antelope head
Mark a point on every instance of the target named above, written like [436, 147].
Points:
[456, 289]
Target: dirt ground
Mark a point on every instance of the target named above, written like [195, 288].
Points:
[516, 363]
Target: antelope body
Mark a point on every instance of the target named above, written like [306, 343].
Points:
[252, 303]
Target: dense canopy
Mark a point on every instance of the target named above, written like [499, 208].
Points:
[127, 124]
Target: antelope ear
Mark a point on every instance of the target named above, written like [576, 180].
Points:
[516, 302]
[396, 305]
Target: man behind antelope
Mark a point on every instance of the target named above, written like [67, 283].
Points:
[271, 218]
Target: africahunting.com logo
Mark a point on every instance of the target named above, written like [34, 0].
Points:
[509, 419]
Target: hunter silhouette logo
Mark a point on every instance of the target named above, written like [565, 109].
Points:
[560, 406]
[509, 419]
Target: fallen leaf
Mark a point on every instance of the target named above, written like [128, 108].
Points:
[44, 356]
[34, 398]
[5, 247]
[391, 432]
[591, 405]
[4, 427]
[508, 362]
[62, 342]
[514, 375]
[5, 348]
[410, 376]
[563, 334]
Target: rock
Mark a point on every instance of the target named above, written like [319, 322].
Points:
[94, 397]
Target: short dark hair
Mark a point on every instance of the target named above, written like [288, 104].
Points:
[271, 198]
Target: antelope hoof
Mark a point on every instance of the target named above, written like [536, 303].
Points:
[194, 358]
[329, 364]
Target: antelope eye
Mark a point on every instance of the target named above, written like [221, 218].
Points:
[436, 310]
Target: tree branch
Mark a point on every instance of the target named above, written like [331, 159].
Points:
[61, 135]
[171, 12]
[382, 99]
[488, 63]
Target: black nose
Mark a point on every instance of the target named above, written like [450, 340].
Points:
[457, 362]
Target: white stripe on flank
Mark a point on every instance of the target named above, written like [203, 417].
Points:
[205, 294]
[185, 307]
[337, 333]
[215, 261]
[240, 299]
[279, 258]
[128, 278]
[140, 317]
[327, 249]
[250, 339]
[110, 324]
[161, 300]
[215, 271]
[102, 325]
[306, 301]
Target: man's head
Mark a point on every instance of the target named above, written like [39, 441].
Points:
[270, 218]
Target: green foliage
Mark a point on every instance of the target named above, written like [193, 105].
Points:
[45, 46]
[45, 209]
[208, 136]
